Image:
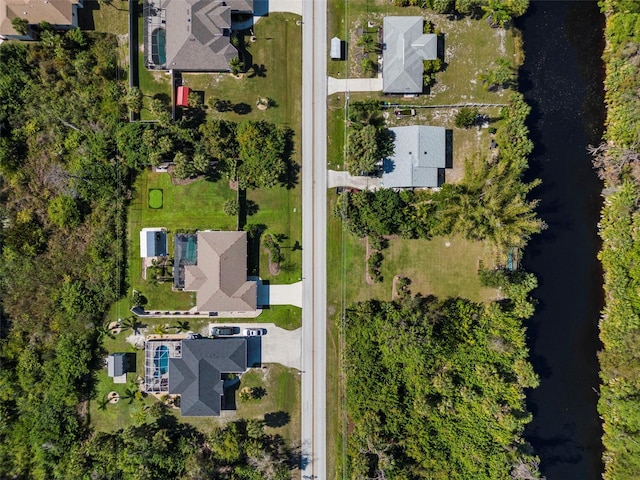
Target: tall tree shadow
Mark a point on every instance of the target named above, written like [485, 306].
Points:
[290, 178]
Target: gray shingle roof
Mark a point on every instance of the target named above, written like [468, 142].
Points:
[220, 275]
[405, 47]
[197, 376]
[198, 33]
[420, 151]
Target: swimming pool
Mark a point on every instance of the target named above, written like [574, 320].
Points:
[161, 359]
[159, 46]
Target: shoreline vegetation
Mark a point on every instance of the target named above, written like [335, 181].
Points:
[435, 388]
[617, 160]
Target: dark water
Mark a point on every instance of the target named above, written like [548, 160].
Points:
[562, 81]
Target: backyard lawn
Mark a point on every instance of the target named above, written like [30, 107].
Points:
[109, 17]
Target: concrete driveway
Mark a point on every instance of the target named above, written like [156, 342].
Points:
[335, 85]
[280, 294]
[277, 346]
[337, 178]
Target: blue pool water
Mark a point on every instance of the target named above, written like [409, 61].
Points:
[161, 359]
[159, 43]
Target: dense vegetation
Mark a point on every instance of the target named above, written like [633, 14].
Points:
[435, 389]
[498, 12]
[167, 449]
[67, 159]
[490, 203]
[62, 178]
[256, 154]
[370, 141]
[617, 161]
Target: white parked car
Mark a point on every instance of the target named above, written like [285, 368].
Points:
[255, 332]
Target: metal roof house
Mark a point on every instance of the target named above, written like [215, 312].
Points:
[59, 13]
[191, 35]
[405, 46]
[197, 375]
[219, 276]
[153, 242]
[419, 158]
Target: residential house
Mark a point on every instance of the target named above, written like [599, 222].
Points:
[219, 276]
[61, 14]
[419, 158]
[197, 376]
[191, 35]
[405, 46]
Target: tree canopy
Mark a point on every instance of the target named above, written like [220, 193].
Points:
[435, 389]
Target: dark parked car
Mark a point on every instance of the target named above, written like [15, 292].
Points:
[217, 331]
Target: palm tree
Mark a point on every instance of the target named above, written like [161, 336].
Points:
[103, 402]
[368, 66]
[130, 393]
[131, 323]
[367, 43]
[236, 65]
[105, 331]
[160, 329]
[182, 326]
[496, 13]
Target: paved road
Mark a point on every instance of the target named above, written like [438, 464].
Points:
[336, 85]
[314, 241]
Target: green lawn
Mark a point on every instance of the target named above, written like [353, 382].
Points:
[282, 387]
[155, 198]
[280, 210]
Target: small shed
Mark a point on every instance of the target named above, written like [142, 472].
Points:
[117, 367]
[336, 48]
[182, 99]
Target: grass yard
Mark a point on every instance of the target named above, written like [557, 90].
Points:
[155, 198]
[110, 17]
[280, 210]
[280, 406]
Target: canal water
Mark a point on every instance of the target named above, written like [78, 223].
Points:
[562, 81]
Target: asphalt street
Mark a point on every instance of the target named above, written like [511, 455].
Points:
[314, 241]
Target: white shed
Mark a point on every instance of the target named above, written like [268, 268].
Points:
[336, 48]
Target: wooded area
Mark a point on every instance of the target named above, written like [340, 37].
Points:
[435, 388]
[68, 157]
[617, 164]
